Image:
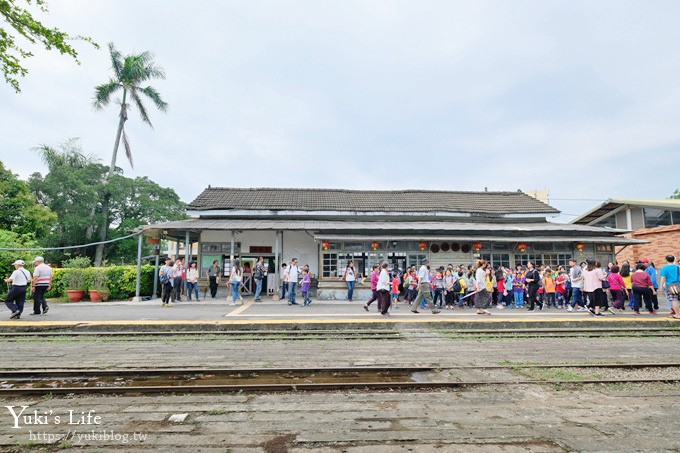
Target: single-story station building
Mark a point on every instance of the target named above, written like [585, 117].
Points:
[326, 228]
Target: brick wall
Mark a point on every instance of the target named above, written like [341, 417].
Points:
[662, 241]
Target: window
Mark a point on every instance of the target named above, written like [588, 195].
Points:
[657, 217]
[330, 265]
[546, 259]
[609, 222]
[497, 259]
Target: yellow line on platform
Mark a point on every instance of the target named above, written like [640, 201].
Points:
[240, 309]
[420, 319]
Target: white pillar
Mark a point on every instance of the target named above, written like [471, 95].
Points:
[139, 268]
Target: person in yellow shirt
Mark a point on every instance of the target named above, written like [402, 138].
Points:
[549, 288]
[461, 292]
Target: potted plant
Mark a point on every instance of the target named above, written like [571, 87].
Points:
[75, 285]
[98, 290]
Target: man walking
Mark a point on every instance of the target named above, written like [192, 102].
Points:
[42, 282]
[259, 274]
[17, 295]
[670, 281]
[424, 287]
[166, 276]
[292, 280]
[576, 278]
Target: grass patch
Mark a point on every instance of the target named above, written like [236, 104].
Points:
[217, 412]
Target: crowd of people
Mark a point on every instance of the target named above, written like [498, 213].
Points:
[583, 287]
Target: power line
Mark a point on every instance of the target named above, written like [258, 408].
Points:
[71, 246]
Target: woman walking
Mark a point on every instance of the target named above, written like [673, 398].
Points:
[592, 286]
[616, 287]
[235, 279]
[482, 296]
[350, 279]
[532, 279]
[643, 288]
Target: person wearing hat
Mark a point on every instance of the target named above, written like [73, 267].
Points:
[424, 287]
[42, 282]
[17, 294]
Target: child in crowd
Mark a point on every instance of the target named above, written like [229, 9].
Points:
[518, 285]
[305, 285]
[395, 290]
[461, 292]
[561, 289]
[549, 289]
[438, 286]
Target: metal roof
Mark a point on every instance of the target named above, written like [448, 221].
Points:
[405, 227]
[342, 200]
[614, 203]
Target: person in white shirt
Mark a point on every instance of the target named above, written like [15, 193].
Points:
[293, 272]
[42, 282]
[383, 288]
[350, 278]
[17, 294]
[192, 280]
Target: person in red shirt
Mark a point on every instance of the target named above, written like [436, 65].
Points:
[616, 286]
[561, 288]
[395, 290]
[643, 288]
[374, 288]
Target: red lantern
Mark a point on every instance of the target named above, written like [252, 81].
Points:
[422, 245]
[477, 246]
[374, 245]
[580, 247]
[326, 245]
[521, 247]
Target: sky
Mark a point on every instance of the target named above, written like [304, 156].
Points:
[579, 98]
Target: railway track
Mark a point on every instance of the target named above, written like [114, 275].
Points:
[565, 332]
[350, 334]
[222, 380]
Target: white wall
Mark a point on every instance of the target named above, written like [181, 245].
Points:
[256, 238]
[300, 245]
[216, 236]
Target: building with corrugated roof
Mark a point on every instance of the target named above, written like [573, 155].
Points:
[326, 228]
[655, 222]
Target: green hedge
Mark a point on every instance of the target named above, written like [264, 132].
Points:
[121, 281]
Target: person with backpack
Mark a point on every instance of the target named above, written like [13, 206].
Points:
[670, 283]
[16, 298]
[259, 274]
[166, 274]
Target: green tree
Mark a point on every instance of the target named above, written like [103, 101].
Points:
[20, 212]
[10, 239]
[72, 188]
[129, 73]
[22, 25]
[136, 202]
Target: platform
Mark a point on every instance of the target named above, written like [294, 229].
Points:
[215, 313]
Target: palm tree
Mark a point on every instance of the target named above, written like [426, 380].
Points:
[130, 72]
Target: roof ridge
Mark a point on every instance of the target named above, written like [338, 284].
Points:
[317, 189]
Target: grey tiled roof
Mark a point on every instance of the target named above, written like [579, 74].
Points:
[221, 198]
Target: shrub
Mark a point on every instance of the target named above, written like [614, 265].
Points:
[120, 280]
[79, 262]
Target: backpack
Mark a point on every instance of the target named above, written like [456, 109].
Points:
[457, 286]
